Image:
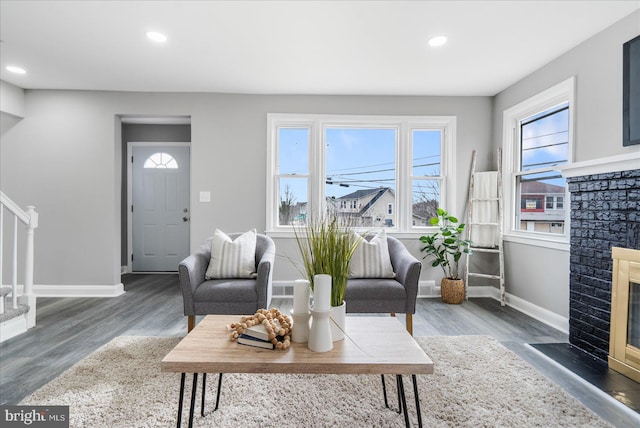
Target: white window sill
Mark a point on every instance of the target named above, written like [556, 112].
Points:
[539, 240]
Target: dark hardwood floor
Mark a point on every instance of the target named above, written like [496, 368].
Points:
[68, 329]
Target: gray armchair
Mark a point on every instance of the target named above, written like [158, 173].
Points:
[367, 295]
[225, 296]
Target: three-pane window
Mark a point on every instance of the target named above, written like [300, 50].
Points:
[374, 171]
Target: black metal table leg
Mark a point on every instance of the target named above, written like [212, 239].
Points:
[401, 396]
[384, 392]
[204, 388]
[218, 393]
[415, 393]
[181, 399]
[193, 399]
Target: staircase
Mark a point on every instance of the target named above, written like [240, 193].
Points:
[17, 304]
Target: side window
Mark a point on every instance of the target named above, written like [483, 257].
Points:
[537, 144]
[543, 146]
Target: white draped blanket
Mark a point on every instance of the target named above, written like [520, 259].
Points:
[485, 185]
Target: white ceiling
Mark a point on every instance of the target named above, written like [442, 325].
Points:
[293, 47]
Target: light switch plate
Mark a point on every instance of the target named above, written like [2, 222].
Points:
[205, 196]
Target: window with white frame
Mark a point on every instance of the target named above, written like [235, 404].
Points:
[537, 143]
[379, 171]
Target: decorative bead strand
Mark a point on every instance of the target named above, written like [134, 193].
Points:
[268, 319]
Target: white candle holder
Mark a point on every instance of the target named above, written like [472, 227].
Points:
[320, 333]
[300, 329]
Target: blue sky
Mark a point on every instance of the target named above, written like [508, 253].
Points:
[356, 158]
[545, 141]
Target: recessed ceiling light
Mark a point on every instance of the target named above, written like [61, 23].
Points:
[156, 37]
[437, 41]
[16, 70]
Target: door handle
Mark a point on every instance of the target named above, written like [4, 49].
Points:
[185, 218]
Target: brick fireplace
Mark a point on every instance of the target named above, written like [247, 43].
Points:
[605, 212]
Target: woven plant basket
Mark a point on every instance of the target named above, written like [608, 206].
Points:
[452, 290]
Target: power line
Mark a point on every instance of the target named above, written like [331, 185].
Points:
[561, 143]
[383, 170]
[545, 135]
[382, 164]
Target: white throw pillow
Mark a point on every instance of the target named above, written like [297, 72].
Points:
[232, 259]
[371, 259]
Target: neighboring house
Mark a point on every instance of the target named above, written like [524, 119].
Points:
[542, 207]
[423, 211]
[369, 207]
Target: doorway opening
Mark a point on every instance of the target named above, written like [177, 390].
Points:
[156, 208]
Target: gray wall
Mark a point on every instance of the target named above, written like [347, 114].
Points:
[137, 133]
[11, 105]
[65, 157]
[11, 99]
[537, 274]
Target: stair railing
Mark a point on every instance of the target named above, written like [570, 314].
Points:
[29, 218]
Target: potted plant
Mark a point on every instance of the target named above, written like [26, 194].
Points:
[326, 247]
[445, 247]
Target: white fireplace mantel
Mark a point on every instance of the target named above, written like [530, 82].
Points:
[617, 163]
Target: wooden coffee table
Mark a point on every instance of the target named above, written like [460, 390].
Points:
[375, 345]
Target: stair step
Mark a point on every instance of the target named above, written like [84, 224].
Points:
[11, 313]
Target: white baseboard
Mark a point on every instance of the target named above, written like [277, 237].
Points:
[79, 290]
[541, 314]
[75, 290]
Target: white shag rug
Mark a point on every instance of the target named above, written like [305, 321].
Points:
[477, 382]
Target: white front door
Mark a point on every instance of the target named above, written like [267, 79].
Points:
[160, 207]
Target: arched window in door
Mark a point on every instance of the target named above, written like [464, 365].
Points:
[161, 160]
